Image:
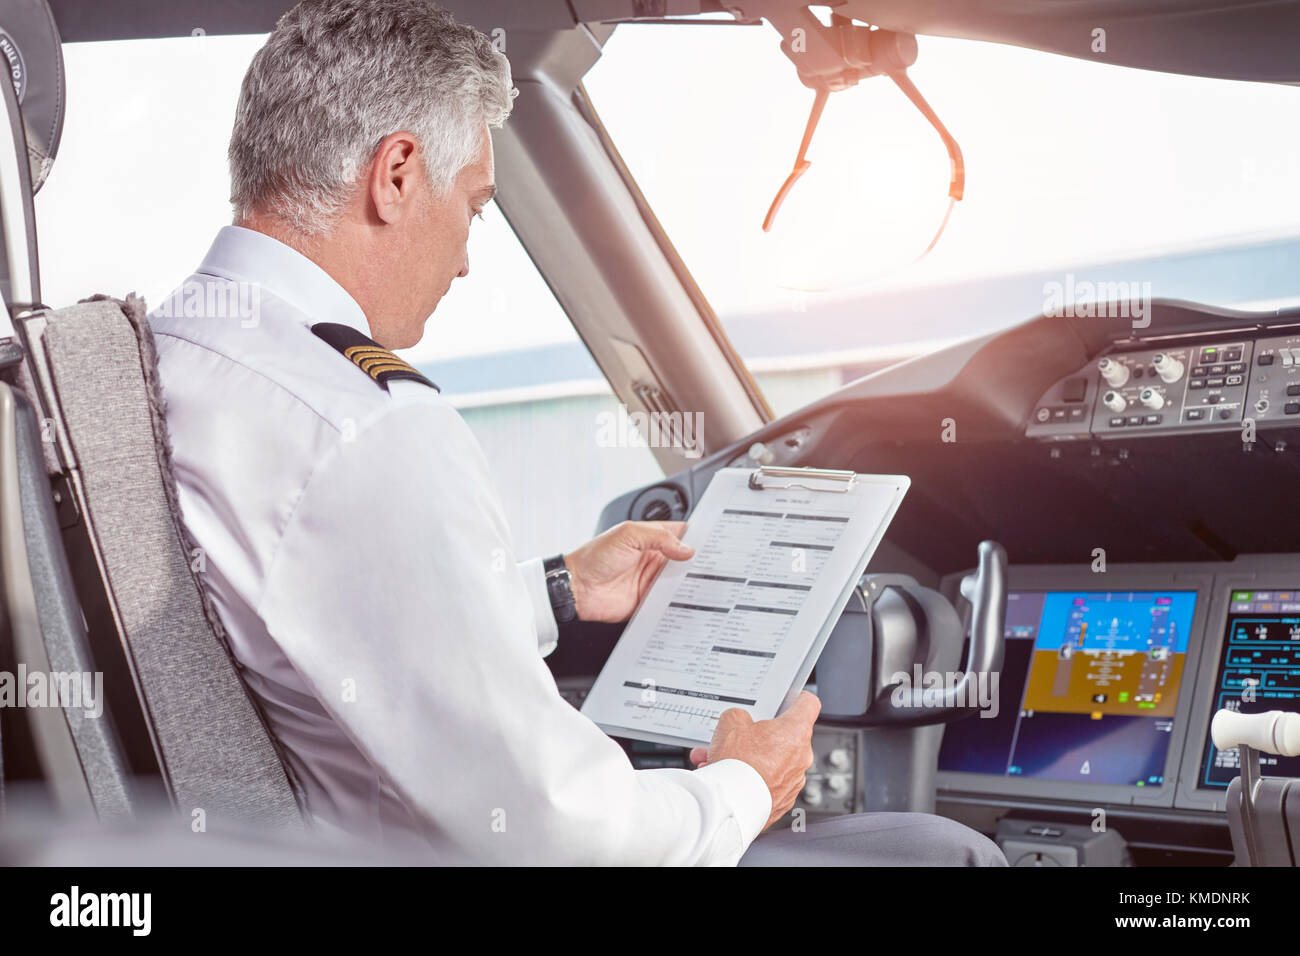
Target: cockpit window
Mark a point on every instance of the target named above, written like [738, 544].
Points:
[1077, 173]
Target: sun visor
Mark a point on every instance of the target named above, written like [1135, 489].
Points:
[31, 52]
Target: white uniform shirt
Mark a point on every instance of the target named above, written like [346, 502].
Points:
[359, 557]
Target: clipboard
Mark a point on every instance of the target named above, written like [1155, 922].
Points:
[778, 552]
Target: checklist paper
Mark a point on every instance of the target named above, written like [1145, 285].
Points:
[742, 622]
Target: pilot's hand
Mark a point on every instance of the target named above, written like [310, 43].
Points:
[779, 749]
[611, 573]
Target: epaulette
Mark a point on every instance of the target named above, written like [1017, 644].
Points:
[368, 355]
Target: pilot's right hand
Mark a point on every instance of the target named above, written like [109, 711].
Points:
[779, 749]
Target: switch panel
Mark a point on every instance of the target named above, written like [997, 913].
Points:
[1274, 391]
[1066, 409]
[1179, 387]
[1187, 386]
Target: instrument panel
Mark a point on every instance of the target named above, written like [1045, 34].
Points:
[1110, 680]
[1219, 383]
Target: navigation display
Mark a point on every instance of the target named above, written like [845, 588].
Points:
[1259, 670]
[1088, 689]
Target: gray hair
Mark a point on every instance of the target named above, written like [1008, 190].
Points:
[335, 78]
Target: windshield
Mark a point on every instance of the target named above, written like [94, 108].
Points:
[1076, 171]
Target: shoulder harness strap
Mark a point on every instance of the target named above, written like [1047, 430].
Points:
[368, 355]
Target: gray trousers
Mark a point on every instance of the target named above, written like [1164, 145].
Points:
[876, 839]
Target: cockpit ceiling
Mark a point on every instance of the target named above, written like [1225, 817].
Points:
[1230, 40]
[1216, 38]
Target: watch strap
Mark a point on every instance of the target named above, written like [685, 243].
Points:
[559, 589]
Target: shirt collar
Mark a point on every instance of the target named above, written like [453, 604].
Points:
[246, 255]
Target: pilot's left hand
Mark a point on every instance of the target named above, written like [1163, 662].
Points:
[611, 573]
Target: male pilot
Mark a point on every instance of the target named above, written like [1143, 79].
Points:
[355, 545]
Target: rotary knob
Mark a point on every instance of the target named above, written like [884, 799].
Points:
[1167, 367]
[812, 793]
[838, 759]
[1114, 401]
[1151, 398]
[1115, 373]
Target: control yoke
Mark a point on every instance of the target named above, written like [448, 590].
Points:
[895, 656]
[986, 591]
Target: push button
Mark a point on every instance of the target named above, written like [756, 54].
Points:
[1232, 355]
[1265, 359]
[1195, 414]
[1292, 408]
[1153, 419]
[1118, 421]
[1293, 389]
[1233, 380]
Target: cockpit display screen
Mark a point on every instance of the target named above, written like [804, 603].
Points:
[1087, 692]
[1259, 670]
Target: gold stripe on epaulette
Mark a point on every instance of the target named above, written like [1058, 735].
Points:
[374, 361]
[381, 367]
[378, 370]
[370, 360]
[356, 352]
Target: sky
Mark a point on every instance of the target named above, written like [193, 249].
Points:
[1068, 163]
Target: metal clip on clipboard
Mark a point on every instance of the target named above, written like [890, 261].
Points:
[760, 477]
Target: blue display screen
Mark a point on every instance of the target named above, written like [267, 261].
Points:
[1087, 692]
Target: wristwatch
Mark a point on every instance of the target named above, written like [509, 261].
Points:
[560, 589]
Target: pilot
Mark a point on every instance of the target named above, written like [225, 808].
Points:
[346, 520]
